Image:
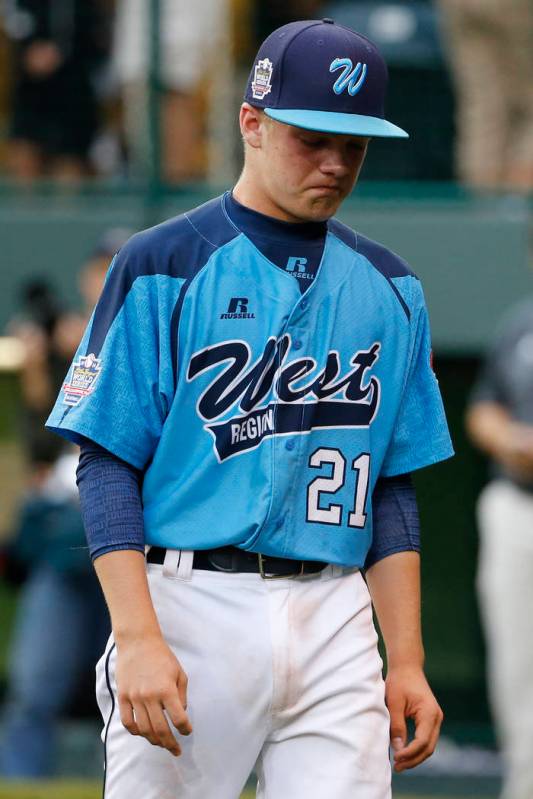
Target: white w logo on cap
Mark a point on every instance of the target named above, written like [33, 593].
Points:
[351, 77]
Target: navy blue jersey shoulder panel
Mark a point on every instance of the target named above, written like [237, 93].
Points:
[213, 229]
[385, 261]
[212, 222]
[179, 247]
[388, 263]
[344, 233]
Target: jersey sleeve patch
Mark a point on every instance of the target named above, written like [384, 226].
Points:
[83, 376]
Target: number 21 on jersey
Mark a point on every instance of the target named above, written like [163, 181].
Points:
[333, 513]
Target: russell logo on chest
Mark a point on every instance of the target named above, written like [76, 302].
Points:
[306, 396]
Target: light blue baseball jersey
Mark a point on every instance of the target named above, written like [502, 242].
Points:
[261, 415]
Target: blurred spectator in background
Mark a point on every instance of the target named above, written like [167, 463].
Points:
[500, 422]
[94, 270]
[50, 335]
[58, 46]
[61, 623]
[188, 40]
[490, 45]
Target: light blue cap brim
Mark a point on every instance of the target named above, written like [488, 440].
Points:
[334, 122]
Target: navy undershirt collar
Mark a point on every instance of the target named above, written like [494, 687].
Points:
[254, 224]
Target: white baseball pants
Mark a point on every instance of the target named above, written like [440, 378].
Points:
[505, 585]
[284, 677]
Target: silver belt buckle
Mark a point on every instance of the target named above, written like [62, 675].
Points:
[266, 576]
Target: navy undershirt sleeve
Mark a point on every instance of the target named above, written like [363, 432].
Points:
[110, 499]
[396, 523]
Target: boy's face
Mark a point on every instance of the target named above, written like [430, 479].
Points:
[304, 175]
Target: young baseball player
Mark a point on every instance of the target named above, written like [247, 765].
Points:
[251, 394]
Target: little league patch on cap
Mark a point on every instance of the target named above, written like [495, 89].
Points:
[322, 76]
[261, 85]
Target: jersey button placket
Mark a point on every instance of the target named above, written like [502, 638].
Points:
[290, 444]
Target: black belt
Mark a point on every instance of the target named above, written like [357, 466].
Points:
[233, 560]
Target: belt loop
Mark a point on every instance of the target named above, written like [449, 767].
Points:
[171, 563]
[185, 564]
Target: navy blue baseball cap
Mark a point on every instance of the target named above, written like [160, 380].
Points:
[321, 76]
